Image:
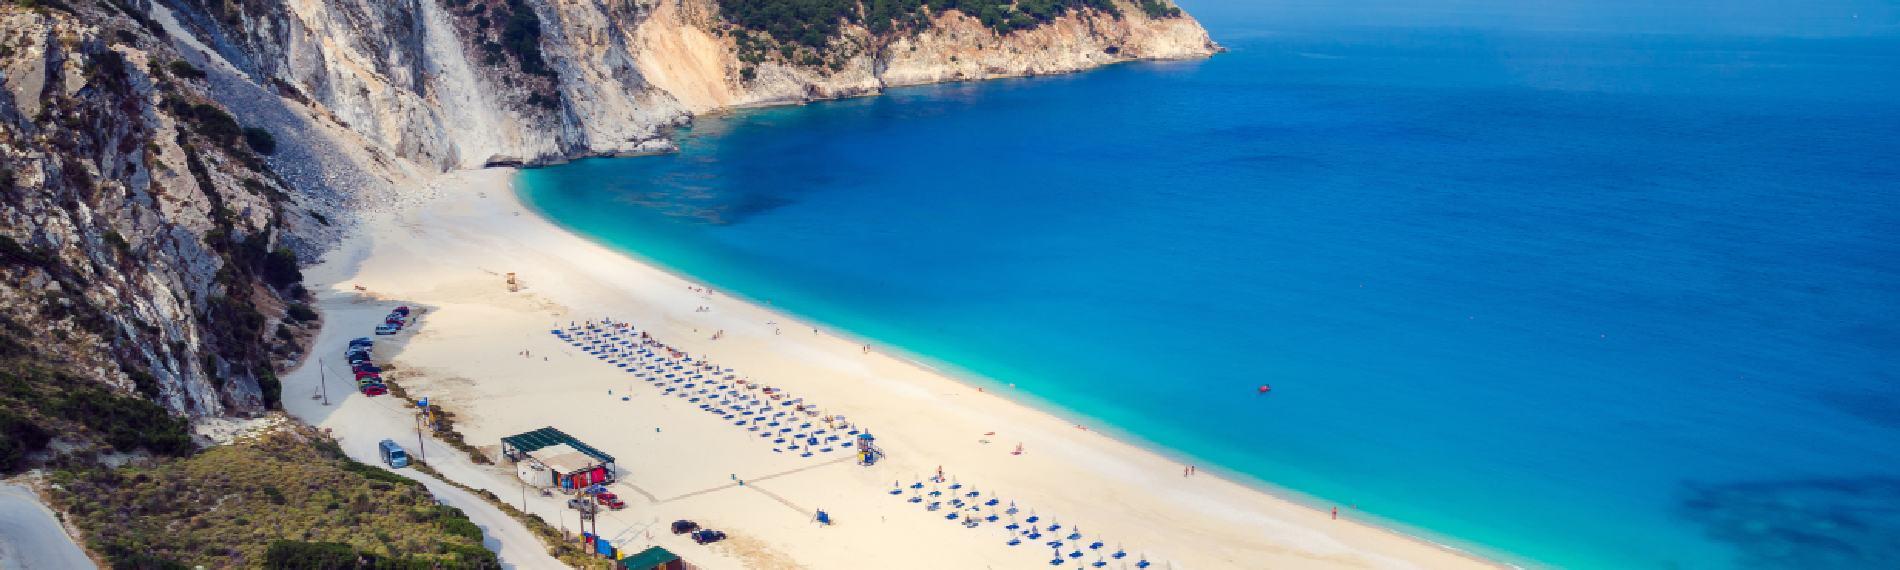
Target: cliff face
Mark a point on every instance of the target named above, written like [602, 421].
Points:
[144, 243]
[443, 83]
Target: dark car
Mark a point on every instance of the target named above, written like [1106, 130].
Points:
[708, 536]
[684, 526]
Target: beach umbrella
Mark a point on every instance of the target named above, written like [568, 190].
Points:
[1077, 534]
[1119, 553]
[1143, 563]
[1032, 516]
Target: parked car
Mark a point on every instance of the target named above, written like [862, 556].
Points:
[362, 341]
[611, 501]
[401, 310]
[708, 536]
[393, 455]
[580, 504]
[375, 390]
[387, 329]
[365, 367]
[684, 526]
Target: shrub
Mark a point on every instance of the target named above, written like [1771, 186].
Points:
[294, 555]
[280, 268]
[18, 437]
[126, 423]
[300, 312]
[1159, 9]
[260, 140]
[12, 253]
[185, 69]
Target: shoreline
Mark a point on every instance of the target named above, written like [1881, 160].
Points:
[447, 252]
[993, 386]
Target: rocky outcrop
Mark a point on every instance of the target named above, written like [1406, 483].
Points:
[958, 48]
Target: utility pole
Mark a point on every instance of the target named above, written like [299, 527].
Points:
[323, 382]
[421, 451]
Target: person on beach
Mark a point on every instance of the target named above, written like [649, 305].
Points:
[1335, 513]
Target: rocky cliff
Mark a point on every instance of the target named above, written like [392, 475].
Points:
[461, 83]
[145, 243]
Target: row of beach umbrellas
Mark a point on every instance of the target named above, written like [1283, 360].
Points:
[789, 424]
[973, 509]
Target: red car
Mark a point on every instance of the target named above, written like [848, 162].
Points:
[374, 390]
[610, 501]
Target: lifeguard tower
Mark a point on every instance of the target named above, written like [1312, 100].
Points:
[868, 452]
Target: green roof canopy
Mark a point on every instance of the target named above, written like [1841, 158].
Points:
[648, 558]
[548, 436]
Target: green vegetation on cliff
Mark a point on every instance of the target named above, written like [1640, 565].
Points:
[39, 403]
[286, 498]
[813, 23]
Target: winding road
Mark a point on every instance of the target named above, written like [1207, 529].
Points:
[30, 536]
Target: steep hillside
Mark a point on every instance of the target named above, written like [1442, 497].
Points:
[283, 498]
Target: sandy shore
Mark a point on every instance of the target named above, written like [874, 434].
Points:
[446, 255]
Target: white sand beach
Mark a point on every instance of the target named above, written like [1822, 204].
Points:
[446, 253]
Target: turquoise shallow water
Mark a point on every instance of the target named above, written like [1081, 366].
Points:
[1572, 296]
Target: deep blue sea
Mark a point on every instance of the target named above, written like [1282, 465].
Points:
[1567, 289]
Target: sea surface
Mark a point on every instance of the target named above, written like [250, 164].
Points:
[1587, 291]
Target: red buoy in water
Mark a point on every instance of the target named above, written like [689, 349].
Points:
[1265, 388]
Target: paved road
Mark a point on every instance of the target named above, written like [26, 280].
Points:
[30, 537]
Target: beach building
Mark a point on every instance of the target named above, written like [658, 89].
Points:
[548, 457]
[655, 558]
